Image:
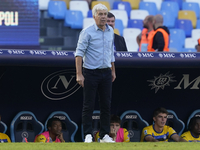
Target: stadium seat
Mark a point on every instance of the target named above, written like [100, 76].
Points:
[57, 9]
[174, 122]
[74, 19]
[135, 23]
[123, 6]
[25, 125]
[172, 6]
[69, 128]
[43, 4]
[191, 6]
[175, 44]
[193, 1]
[190, 43]
[198, 24]
[106, 3]
[195, 113]
[185, 25]
[134, 4]
[119, 25]
[121, 14]
[179, 2]
[178, 34]
[139, 14]
[157, 2]
[196, 34]
[131, 32]
[87, 22]
[168, 18]
[95, 123]
[3, 127]
[187, 14]
[189, 50]
[149, 6]
[79, 5]
[89, 14]
[133, 122]
[66, 2]
[131, 44]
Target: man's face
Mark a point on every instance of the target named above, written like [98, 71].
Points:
[56, 127]
[160, 119]
[145, 23]
[198, 48]
[101, 18]
[111, 22]
[196, 128]
[114, 126]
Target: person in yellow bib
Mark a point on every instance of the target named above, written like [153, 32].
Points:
[159, 132]
[4, 138]
[53, 134]
[160, 39]
[192, 135]
[117, 133]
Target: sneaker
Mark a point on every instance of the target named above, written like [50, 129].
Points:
[88, 138]
[107, 139]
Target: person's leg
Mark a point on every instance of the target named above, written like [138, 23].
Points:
[105, 91]
[89, 95]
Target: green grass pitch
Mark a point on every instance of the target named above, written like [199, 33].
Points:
[101, 146]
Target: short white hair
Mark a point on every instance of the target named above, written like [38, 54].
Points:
[97, 8]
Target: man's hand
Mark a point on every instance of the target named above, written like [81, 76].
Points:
[113, 134]
[80, 79]
[60, 137]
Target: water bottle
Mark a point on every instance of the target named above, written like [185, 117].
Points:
[49, 140]
[24, 140]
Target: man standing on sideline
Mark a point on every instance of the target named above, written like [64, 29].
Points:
[144, 37]
[119, 42]
[95, 48]
[160, 38]
[198, 45]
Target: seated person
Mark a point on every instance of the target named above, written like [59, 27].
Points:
[118, 134]
[198, 45]
[159, 131]
[53, 134]
[194, 131]
[3, 137]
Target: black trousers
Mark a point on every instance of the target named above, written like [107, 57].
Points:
[97, 81]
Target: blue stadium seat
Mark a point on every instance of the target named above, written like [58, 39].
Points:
[89, 14]
[185, 25]
[74, 19]
[95, 124]
[174, 122]
[133, 122]
[175, 44]
[119, 25]
[69, 128]
[168, 18]
[123, 6]
[149, 6]
[198, 24]
[25, 125]
[3, 127]
[57, 9]
[191, 6]
[178, 34]
[172, 6]
[188, 50]
[135, 23]
[195, 113]
[179, 2]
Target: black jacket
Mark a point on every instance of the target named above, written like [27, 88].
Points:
[158, 40]
[120, 44]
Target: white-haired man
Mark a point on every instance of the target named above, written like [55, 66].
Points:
[95, 49]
